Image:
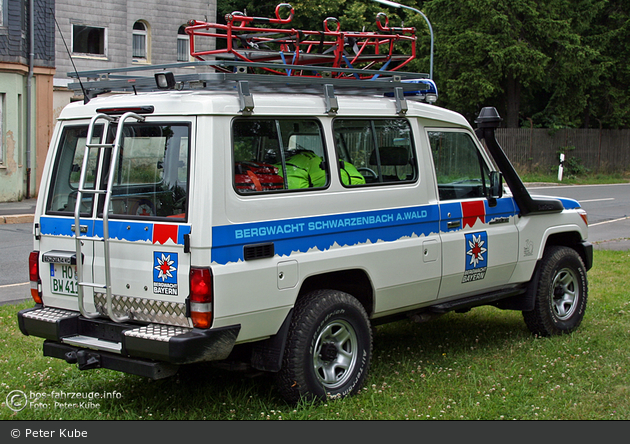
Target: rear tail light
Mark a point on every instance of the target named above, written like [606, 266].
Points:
[33, 271]
[201, 297]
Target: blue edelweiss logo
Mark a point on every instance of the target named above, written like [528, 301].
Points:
[476, 256]
[165, 273]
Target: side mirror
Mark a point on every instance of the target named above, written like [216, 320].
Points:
[496, 185]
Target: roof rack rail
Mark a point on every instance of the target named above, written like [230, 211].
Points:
[379, 82]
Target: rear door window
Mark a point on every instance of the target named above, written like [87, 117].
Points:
[150, 175]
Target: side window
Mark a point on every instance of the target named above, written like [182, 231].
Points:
[460, 169]
[278, 154]
[375, 151]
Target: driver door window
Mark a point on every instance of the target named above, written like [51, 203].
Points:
[460, 169]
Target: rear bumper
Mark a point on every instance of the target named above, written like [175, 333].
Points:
[150, 350]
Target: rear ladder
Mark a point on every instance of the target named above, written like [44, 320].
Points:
[107, 192]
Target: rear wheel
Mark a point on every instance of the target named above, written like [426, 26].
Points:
[561, 293]
[328, 348]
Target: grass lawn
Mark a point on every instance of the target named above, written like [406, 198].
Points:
[483, 364]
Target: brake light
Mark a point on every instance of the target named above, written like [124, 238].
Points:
[116, 111]
[33, 271]
[201, 297]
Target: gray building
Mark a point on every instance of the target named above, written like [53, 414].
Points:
[120, 33]
[27, 66]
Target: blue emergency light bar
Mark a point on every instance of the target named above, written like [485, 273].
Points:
[427, 93]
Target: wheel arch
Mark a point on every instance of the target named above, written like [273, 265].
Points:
[571, 239]
[354, 281]
[267, 355]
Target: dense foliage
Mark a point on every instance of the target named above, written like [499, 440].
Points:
[551, 63]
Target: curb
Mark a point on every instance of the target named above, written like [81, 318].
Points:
[17, 219]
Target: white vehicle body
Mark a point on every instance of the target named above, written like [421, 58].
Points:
[405, 244]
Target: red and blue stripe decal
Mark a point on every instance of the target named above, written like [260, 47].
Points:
[131, 231]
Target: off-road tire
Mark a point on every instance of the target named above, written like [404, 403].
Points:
[328, 348]
[561, 293]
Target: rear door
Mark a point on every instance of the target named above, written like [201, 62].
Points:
[148, 221]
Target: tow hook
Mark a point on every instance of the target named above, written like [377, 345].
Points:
[84, 359]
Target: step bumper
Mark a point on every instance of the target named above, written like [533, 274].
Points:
[156, 342]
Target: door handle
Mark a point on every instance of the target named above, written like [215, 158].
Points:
[453, 224]
[82, 228]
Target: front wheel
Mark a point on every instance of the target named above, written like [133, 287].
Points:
[328, 348]
[561, 293]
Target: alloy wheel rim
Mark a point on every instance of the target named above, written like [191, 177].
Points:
[566, 294]
[335, 354]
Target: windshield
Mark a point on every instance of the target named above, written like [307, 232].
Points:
[150, 174]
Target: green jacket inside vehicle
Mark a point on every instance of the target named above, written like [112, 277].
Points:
[305, 169]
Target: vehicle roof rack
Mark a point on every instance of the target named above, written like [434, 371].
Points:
[255, 59]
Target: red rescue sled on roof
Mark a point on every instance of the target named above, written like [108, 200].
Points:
[331, 47]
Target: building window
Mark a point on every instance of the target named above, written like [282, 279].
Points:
[183, 45]
[89, 40]
[139, 44]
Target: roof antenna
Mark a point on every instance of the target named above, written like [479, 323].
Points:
[86, 98]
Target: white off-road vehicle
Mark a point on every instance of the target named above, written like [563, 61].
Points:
[274, 219]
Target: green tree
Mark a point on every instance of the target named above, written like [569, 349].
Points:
[259, 8]
[506, 52]
[565, 98]
[609, 102]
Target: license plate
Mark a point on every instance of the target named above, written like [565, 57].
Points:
[63, 279]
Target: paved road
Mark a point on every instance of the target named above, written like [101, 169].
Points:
[16, 242]
[608, 209]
